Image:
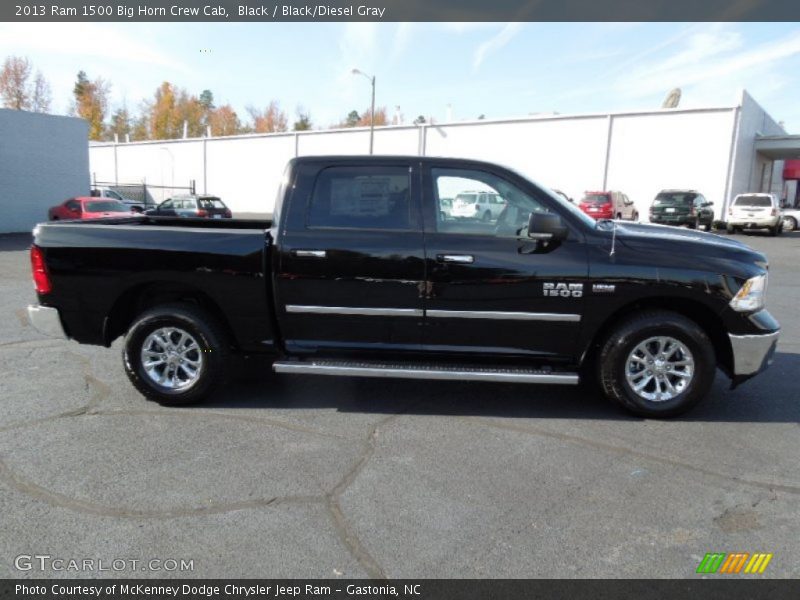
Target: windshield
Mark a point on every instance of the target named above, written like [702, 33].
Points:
[106, 206]
[596, 199]
[674, 199]
[753, 201]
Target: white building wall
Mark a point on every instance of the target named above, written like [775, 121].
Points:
[44, 160]
[685, 150]
[245, 172]
[646, 152]
[563, 153]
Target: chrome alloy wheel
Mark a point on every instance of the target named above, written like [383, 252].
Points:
[172, 358]
[659, 368]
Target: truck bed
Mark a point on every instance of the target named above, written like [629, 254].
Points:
[105, 267]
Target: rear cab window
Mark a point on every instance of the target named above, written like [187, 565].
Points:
[753, 200]
[361, 197]
[677, 199]
[596, 199]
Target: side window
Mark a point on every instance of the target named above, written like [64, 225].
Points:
[74, 205]
[466, 215]
[169, 204]
[361, 198]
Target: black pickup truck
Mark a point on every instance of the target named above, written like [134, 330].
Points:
[363, 271]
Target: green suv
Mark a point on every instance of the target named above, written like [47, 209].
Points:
[682, 207]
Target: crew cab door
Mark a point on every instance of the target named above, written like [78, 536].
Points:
[493, 290]
[350, 259]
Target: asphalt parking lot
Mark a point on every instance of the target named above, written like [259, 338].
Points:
[286, 476]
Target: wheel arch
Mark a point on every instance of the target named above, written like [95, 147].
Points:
[706, 319]
[143, 296]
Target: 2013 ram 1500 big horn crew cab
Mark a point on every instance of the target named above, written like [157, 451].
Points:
[358, 274]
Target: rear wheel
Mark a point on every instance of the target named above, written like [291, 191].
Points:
[731, 229]
[635, 217]
[774, 231]
[657, 364]
[176, 354]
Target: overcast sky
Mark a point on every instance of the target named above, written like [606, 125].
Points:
[495, 69]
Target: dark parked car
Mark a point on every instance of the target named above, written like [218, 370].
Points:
[358, 276]
[209, 207]
[682, 207]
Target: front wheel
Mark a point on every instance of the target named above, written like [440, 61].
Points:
[175, 354]
[789, 223]
[657, 364]
[775, 231]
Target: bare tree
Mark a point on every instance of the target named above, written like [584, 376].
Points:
[42, 96]
[14, 87]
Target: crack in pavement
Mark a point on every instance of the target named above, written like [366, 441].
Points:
[59, 500]
[565, 437]
[341, 524]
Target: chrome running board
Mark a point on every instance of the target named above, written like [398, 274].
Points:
[351, 368]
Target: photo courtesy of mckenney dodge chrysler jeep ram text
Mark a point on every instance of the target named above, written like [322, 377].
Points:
[361, 273]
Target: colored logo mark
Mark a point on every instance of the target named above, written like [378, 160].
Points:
[734, 562]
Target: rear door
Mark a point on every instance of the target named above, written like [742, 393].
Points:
[350, 266]
[492, 290]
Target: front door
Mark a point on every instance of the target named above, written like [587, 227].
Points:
[492, 290]
[351, 266]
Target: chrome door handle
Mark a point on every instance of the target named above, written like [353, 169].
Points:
[463, 259]
[310, 253]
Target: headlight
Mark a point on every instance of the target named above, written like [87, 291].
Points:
[752, 296]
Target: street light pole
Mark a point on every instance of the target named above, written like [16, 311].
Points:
[371, 79]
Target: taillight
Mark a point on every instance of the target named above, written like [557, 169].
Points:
[41, 280]
[202, 213]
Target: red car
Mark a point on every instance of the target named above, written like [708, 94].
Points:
[609, 205]
[87, 207]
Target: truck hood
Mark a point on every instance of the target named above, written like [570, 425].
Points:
[685, 241]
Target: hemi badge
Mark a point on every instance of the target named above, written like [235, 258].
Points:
[603, 288]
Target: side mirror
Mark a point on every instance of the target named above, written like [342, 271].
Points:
[708, 204]
[546, 227]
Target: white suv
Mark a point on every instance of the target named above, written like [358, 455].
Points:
[485, 206]
[755, 211]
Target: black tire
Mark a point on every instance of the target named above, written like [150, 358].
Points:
[635, 217]
[791, 222]
[694, 225]
[210, 338]
[614, 354]
[731, 229]
[775, 231]
[487, 216]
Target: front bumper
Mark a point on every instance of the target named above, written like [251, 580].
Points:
[752, 353]
[46, 320]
